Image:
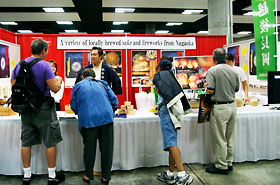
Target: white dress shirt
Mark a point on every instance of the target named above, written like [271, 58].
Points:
[97, 71]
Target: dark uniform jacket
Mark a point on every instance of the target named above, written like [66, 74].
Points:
[169, 88]
[107, 74]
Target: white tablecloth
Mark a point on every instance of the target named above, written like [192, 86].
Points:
[138, 142]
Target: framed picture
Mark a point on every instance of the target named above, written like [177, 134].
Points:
[191, 71]
[114, 60]
[252, 59]
[4, 61]
[173, 53]
[234, 50]
[144, 64]
[75, 61]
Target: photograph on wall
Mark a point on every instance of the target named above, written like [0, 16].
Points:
[4, 59]
[114, 60]
[144, 64]
[252, 59]
[173, 53]
[142, 81]
[234, 50]
[75, 62]
[191, 71]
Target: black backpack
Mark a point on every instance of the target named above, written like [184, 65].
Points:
[26, 96]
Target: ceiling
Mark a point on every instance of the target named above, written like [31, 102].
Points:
[87, 16]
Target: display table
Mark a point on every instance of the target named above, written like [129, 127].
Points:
[138, 142]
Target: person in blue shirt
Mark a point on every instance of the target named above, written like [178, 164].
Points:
[95, 103]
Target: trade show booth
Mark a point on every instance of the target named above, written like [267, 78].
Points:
[127, 49]
[137, 138]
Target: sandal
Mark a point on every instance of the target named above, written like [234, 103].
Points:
[86, 179]
[104, 181]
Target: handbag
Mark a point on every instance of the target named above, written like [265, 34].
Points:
[205, 107]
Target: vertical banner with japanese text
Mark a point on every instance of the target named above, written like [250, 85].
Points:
[265, 39]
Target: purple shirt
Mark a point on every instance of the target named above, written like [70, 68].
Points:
[42, 71]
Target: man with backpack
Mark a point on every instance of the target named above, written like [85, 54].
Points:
[39, 123]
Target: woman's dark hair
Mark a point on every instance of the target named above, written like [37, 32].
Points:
[55, 64]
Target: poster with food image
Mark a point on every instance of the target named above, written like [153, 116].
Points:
[143, 67]
[141, 81]
[4, 61]
[191, 71]
[114, 60]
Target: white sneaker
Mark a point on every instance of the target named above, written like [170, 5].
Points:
[186, 180]
[165, 178]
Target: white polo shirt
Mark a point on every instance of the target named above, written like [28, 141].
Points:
[242, 78]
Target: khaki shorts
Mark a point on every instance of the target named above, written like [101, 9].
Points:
[40, 125]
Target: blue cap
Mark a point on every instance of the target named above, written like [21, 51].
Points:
[164, 64]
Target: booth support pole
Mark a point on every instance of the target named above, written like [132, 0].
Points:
[126, 70]
[277, 37]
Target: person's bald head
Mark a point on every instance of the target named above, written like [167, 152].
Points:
[219, 55]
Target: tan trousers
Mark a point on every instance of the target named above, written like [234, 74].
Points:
[222, 127]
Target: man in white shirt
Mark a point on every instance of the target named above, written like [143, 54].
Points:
[243, 89]
[102, 70]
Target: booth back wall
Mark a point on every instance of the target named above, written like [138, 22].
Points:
[204, 46]
[7, 36]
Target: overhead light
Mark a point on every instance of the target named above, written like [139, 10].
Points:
[192, 11]
[248, 13]
[117, 31]
[53, 9]
[64, 22]
[174, 24]
[162, 31]
[119, 22]
[25, 31]
[203, 32]
[71, 31]
[251, 13]
[8, 23]
[244, 32]
[123, 10]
